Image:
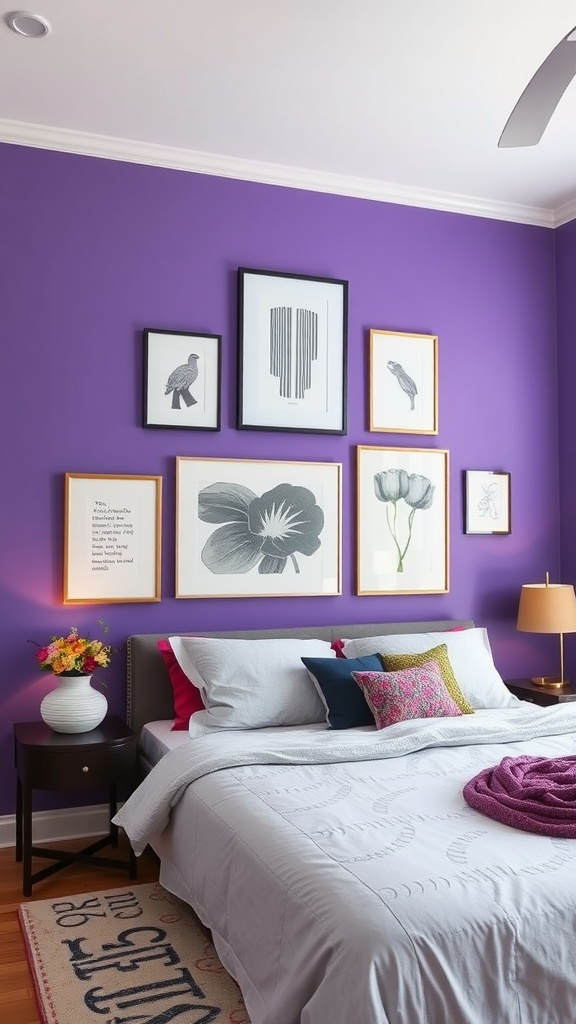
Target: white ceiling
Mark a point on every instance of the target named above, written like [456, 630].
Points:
[390, 99]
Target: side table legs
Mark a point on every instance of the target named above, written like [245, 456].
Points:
[25, 850]
[24, 834]
[18, 820]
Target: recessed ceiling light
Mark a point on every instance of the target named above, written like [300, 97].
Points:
[33, 26]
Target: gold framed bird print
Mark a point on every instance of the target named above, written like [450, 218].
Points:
[403, 382]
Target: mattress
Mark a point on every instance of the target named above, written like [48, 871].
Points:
[157, 738]
[388, 900]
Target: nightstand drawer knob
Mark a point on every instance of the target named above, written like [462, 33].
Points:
[85, 768]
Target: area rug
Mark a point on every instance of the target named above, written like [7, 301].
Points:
[135, 954]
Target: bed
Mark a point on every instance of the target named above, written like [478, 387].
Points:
[342, 874]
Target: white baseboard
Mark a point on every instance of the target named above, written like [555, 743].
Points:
[54, 826]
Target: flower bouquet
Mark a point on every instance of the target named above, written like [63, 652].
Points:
[74, 655]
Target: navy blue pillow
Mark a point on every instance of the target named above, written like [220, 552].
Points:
[346, 703]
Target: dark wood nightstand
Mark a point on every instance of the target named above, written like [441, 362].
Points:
[104, 757]
[527, 690]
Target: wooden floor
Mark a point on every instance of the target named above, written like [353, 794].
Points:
[17, 1000]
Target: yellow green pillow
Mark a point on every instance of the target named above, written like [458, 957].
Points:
[395, 662]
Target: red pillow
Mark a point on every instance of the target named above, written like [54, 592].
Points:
[187, 697]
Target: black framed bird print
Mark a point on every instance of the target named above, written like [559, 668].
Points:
[181, 380]
[403, 382]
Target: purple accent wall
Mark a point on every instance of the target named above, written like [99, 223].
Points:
[565, 238]
[93, 251]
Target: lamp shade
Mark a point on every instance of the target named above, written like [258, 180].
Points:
[547, 608]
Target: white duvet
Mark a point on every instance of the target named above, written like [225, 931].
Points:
[346, 881]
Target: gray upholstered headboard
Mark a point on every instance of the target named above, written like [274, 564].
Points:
[149, 696]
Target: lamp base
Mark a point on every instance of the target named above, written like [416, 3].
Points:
[551, 682]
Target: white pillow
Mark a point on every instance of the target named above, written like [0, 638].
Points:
[470, 656]
[252, 684]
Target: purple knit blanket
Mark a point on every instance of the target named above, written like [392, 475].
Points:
[537, 794]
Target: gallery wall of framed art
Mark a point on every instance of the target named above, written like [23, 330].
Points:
[272, 527]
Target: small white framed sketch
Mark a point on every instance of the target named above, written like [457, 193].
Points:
[487, 502]
[403, 382]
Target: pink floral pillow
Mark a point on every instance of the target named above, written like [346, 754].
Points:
[417, 692]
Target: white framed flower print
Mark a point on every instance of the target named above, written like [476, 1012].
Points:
[257, 528]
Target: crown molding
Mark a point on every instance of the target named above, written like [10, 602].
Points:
[564, 214]
[110, 148]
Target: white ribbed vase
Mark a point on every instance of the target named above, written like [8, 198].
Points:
[75, 706]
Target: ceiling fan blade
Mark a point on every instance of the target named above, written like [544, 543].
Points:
[529, 118]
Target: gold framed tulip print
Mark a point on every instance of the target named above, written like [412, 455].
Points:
[403, 383]
[402, 520]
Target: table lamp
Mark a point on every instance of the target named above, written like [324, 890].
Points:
[548, 608]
